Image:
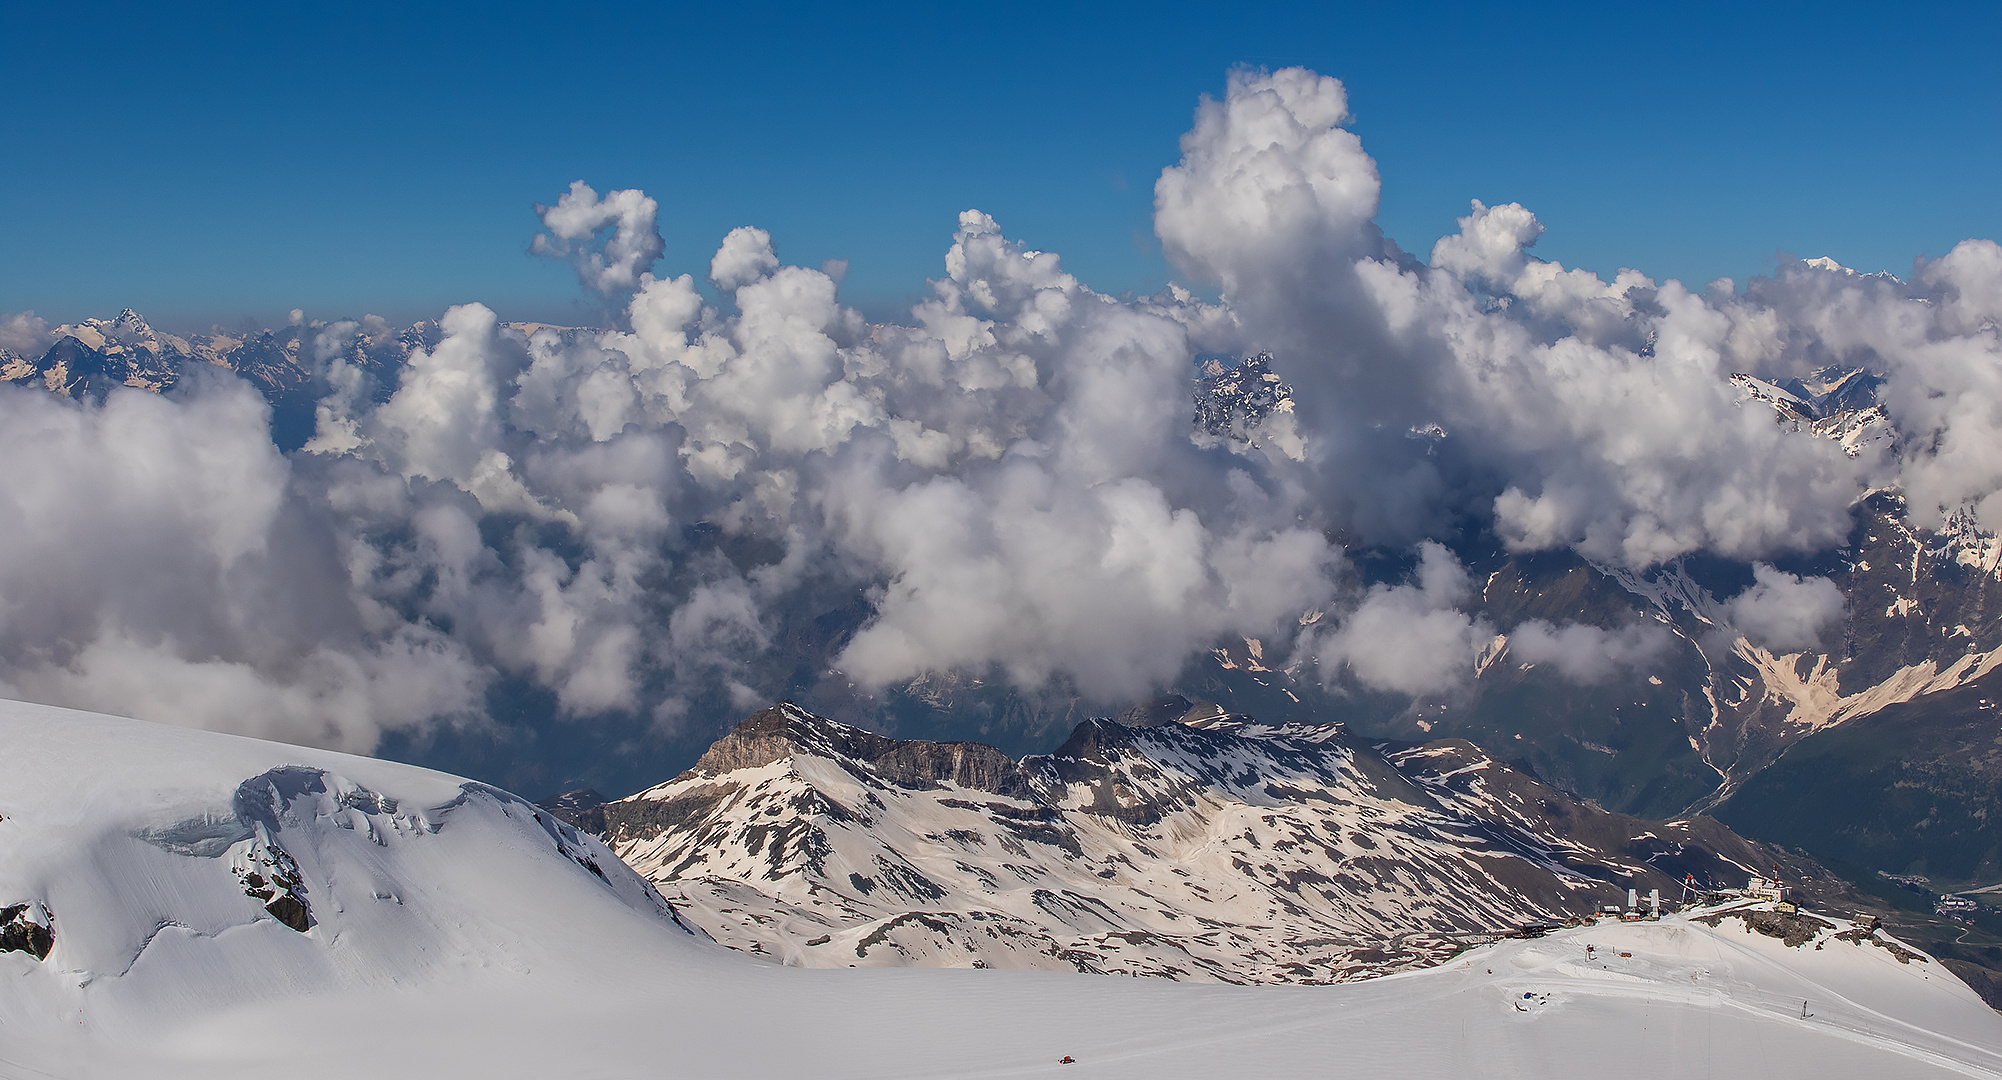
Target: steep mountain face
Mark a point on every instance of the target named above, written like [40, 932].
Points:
[1713, 709]
[1206, 847]
[1914, 788]
[1920, 615]
[1631, 739]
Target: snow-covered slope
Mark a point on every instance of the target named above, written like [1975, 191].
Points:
[457, 933]
[1219, 850]
[173, 873]
[1834, 403]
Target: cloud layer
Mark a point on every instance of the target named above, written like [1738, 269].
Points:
[1007, 483]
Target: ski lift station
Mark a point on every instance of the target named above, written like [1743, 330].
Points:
[1768, 889]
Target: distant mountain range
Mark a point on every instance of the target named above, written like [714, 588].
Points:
[1872, 751]
[287, 365]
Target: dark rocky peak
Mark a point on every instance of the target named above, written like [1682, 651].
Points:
[71, 367]
[28, 928]
[919, 763]
[765, 736]
[1097, 740]
[785, 730]
[425, 334]
[1102, 770]
[71, 351]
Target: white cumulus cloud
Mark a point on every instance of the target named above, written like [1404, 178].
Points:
[1006, 482]
[613, 240]
[1784, 612]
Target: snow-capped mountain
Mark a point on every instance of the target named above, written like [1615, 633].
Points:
[1203, 846]
[89, 358]
[454, 931]
[288, 365]
[1832, 403]
[1235, 401]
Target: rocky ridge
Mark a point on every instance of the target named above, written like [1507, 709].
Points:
[1194, 844]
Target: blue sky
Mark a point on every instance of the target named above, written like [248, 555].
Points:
[229, 162]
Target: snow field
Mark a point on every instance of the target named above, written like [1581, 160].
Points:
[458, 935]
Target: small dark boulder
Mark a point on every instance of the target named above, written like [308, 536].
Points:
[291, 911]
